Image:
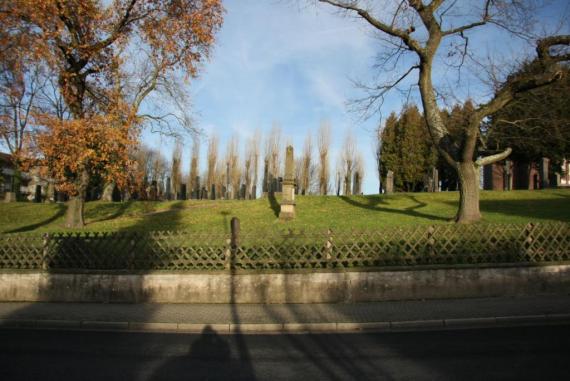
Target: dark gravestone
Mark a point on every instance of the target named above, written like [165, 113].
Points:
[253, 194]
[182, 193]
[60, 197]
[38, 194]
[153, 195]
[167, 191]
[213, 192]
[242, 192]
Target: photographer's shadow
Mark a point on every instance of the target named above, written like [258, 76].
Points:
[209, 358]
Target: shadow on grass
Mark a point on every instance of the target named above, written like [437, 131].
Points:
[61, 209]
[110, 211]
[169, 219]
[547, 209]
[374, 203]
[273, 203]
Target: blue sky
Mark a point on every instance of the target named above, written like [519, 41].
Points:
[277, 62]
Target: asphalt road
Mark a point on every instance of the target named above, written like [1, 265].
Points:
[516, 353]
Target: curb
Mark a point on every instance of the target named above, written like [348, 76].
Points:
[286, 328]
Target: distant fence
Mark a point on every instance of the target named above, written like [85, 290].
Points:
[281, 250]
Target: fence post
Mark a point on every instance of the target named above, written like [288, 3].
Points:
[45, 251]
[231, 250]
[132, 252]
[328, 248]
[528, 239]
[431, 241]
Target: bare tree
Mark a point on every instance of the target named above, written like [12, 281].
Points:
[324, 141]
[19, 89]
[306, 161]
[348, 162]
[175, 172]
[193, 182]
[419, 29]
[378, 156]
[234, 172]
[358, 175]
[255, 158]
[272, 158]
[212, 158]
[250, 174]
[339, 175]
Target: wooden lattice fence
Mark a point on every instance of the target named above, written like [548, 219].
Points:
[281, 250]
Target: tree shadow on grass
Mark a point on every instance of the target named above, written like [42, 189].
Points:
[373, 203]
[273, 203]
[110, 211]
[61, 209]
[169, 219]
[548, 209]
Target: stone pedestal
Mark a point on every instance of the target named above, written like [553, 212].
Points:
[390, 182]
[544, 175]
[287, 211]
[10, 197]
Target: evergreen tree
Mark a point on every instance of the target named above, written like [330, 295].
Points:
[536, 124]
[407, 149]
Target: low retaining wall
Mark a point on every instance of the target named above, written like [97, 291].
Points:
[314, 287]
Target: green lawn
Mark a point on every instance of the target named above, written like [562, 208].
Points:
[313, 212]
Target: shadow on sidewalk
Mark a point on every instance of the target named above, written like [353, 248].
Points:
[209, 358]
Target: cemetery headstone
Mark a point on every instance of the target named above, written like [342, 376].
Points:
[390, 182]
[288, 193]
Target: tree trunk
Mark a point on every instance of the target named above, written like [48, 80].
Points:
[468, 193]
[74, 216]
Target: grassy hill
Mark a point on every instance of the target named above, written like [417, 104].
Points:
[314, 212]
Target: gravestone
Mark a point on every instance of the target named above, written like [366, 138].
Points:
[213, 192]
[196, 190]
[242, 192]
[356, 186]
[508, 180]
[167, 192]
[253, 194]
[38, 194]
[182, 193]
[10, 197]
[390, 182]
[50, 193]
[544, 176]
[108, 190]
[153, 193]
[288, 198]
[433, 181]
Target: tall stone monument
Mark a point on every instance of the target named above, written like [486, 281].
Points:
[288, 197]
[389, 188]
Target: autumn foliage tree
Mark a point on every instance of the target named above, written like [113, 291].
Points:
[80, 41]
[77, 148]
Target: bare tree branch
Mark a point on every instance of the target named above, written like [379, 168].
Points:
[404, 35]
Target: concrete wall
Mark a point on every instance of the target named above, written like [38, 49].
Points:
[326, 287]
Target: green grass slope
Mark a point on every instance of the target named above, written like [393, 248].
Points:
[313, 212]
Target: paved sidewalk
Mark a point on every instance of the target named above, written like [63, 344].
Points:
[225, 318]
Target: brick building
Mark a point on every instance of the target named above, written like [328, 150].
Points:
[509, 174]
